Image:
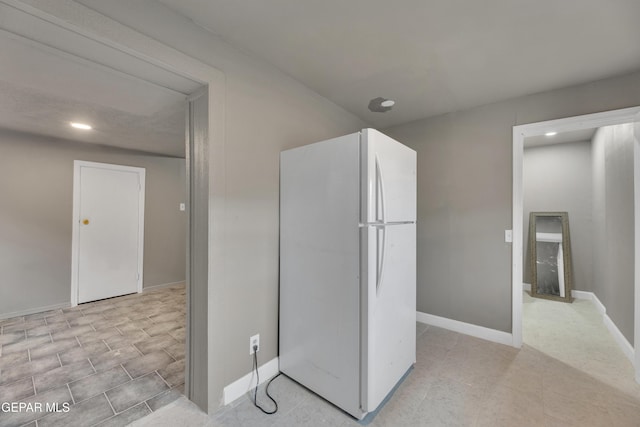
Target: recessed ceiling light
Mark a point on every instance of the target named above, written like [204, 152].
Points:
[81, 126]
[388, 103]
[550, 133]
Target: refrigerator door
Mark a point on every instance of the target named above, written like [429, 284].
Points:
[388, 179]
[320, 269]
[389, 309]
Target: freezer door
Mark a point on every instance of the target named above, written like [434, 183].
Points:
[388, 179]
[389, 311]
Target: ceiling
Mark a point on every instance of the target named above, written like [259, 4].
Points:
[560, 138]
[430, 56]
[50, 76]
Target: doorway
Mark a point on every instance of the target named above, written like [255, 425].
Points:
[616, 117]
[139, 58]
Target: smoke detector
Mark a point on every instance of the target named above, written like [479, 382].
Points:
[381, 105]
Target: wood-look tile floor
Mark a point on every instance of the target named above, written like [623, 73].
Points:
[112, 361]
[574, 376]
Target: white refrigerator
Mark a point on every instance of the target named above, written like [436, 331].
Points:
[348, 267]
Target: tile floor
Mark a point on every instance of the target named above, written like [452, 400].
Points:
[575, 376]
[113, 361]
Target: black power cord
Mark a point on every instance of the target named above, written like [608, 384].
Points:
[255, 393]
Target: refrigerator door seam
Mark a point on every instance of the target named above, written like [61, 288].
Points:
[384, 224]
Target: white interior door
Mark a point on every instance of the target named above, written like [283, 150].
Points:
[108, 231]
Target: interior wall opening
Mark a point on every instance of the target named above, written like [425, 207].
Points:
[132, 339]
[586, 175]
[596, 177]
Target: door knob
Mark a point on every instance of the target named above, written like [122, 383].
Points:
[85, 221]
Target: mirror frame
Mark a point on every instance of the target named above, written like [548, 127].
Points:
[566, 249]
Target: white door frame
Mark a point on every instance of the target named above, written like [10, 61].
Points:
[75, 230]
[520, 132]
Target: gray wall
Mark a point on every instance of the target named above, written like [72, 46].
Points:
[613, 207]
[558, 178]
[266, 114]
[36, 183]
[465, 195]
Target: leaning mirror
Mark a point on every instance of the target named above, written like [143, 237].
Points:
[550, 249]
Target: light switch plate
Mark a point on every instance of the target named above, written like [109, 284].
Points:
[508, 236]
[182, 206]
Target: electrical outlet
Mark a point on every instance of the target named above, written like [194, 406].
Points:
[254, 341]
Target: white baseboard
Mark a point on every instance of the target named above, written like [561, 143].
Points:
[620, 339]
[624, 345]
[596, 302]
[34, 310]
[493, 335]
[582, 295]
[162, 285]
[239, 387]
[68, 304]
[574, 293]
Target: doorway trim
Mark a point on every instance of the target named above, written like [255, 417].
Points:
[75, 228]
[520, 132]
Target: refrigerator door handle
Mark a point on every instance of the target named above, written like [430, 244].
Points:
[380, 202]
[381, 241]
[381, 244]
[382, 232]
